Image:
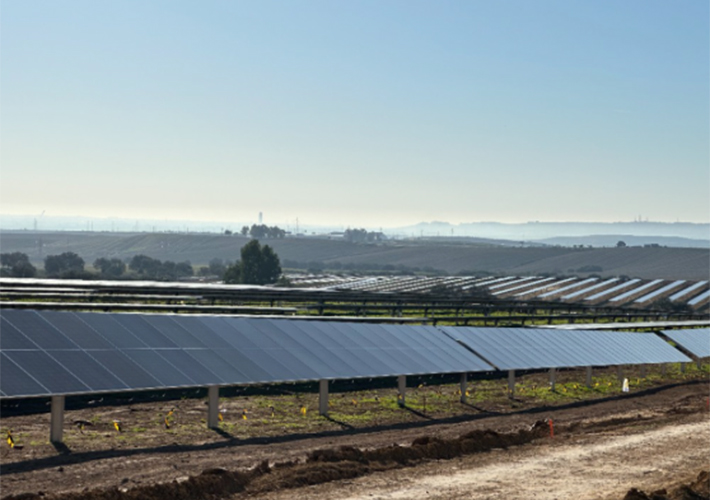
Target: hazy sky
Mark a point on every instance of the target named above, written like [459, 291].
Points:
[377, 113]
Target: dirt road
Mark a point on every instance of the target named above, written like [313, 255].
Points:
[584, 468]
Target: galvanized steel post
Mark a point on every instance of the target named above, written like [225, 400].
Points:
[323, 397]
[401, 389]
[213, 407]
[511, 383]
[57, 423]
[464, 386]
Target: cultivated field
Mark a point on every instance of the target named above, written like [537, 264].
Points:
[199, 249]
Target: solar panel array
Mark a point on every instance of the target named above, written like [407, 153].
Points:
[46, 352]
[523, 349]
[696, 341]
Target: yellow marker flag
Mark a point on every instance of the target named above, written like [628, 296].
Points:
[244, 415]
[10, 441]
[303, 410]
[117, 425]
[221, 418]
[354, 402]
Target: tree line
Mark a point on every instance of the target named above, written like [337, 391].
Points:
[259, 265]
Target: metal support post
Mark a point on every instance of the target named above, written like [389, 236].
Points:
[464, 386]
[643, 371]
[682, 368]
[553, 374]
[589, 377]
[57, 425]
[323, 398]
[511, 384]
[213, 407]
[664, 367]
[620, 373]
[402, 389]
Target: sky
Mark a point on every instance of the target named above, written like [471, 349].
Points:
[358, 113]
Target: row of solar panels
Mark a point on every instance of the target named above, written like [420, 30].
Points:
[590, 290]
[51, 353]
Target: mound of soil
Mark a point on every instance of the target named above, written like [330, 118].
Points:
[697, 490]
[321, 466]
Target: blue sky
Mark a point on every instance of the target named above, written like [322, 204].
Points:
[373, 113]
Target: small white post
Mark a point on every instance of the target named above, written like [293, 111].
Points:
[213, 407]
[402, 389]
[464, 386]
[323, 398]
[553, 373]
[589, 377]
[511, 383]
[57, 424]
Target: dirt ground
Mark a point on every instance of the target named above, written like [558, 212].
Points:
[605, 443]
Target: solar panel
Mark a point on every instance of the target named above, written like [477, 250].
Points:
[545, 287]
[568, 287]
[686, 291]
[660, 291]
[524, 285]
[612, 290]
[695, 341]
[697, 300]
[520, 348]
[589, 289]
[630, 293]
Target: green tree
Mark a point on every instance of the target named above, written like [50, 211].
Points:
[16, 265]
[110, 268]
[258, 266]
[65, 265]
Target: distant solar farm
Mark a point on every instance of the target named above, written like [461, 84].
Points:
[634, 292]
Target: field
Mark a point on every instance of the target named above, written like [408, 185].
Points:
[574, 442]
[199, 249]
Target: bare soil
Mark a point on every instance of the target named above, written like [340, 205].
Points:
[657, 436]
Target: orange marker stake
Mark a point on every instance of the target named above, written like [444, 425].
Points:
[552, 428]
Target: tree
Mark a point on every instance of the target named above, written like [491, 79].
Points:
[66, 265]
[146, 267]
[16, 265]
[258, 266]
[110, 268]
[620, 244]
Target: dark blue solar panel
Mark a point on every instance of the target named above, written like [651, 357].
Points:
[47, 372]
[158, 367]
[139, 327]
[226, 371]
[38, 330]
[106, 326]
[16, 382]
[200, 328]
[88, 370]
[12, 338]
[190, 366]
[174, 330]
[76, 330]
[128, 371]
[696, 341]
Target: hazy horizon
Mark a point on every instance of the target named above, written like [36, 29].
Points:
[363, 114]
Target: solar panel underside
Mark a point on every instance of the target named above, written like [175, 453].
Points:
[695, 341]
[522, 349]
[46, 352]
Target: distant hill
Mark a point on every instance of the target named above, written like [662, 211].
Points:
[199, 249]
[610, 240]
[542, 230]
